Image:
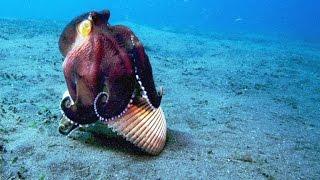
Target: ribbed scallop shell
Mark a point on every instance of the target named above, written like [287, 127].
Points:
[143, 126]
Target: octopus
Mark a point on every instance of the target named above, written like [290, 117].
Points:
[106, 69]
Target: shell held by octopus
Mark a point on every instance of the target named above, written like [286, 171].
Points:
[142, 125]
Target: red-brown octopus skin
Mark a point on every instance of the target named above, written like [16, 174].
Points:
[104, 71]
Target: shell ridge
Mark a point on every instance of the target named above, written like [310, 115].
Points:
[122, 124]
[146, 128]
[138, 120]
[160, 141]
[147, 134]
[152, 142]
[142, 120]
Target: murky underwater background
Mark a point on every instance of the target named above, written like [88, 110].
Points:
[241, 81]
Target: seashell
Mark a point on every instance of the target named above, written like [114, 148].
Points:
[143, 126]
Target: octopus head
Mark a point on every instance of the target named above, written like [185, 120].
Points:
[82, 27]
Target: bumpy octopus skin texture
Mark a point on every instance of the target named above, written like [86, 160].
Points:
[105, 71]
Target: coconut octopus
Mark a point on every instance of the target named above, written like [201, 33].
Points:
[109, 79]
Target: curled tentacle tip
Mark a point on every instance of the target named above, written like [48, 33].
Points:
[66, 103]
[101, 98]
[161, 91]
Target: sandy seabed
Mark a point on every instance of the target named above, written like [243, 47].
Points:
[237, 106]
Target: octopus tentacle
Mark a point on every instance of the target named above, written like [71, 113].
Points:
[101, 98]
[142, 67]
[144, 75]
[113, 104]
[118, 79]
[66, 130]
[83, 115]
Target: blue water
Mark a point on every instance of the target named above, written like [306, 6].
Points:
[299, 19]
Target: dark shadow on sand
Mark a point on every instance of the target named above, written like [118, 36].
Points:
[176, 141]
[117, 143]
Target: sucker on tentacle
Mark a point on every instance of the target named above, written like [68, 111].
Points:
[83, 115]
[105, 120]
[143, 91]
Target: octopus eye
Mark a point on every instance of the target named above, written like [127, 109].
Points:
[84, 28]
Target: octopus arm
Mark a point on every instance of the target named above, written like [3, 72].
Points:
[144, 73]
[143, 69]
[73, 109]
[119, 86]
